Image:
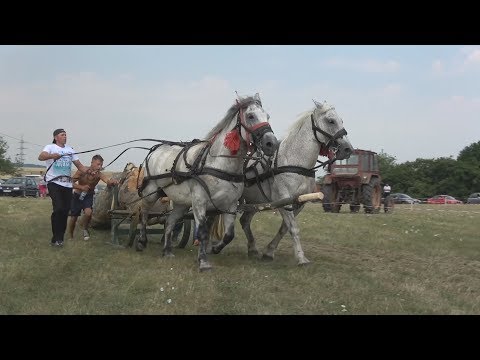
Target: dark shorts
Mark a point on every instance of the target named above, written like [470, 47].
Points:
[78, 205]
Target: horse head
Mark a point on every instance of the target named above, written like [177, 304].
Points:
[252, 126]
[328, 129]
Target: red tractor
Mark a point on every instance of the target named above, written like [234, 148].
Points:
[355, 181]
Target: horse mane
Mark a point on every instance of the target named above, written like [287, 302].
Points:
[242, 103]
[295, 127]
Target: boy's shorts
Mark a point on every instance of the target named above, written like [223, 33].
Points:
[78, 205]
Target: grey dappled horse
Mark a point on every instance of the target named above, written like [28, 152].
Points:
[207, 175]
[315, 132]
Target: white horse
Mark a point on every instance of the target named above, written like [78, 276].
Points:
[292, 173]
[206, 175]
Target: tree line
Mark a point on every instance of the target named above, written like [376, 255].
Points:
[424, 178]
[6, 165]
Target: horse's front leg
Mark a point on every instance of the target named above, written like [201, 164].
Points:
[229, 224]
[290, 223]
[202, 233]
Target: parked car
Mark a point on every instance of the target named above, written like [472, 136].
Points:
[399, 198]
[443, 199]
[474, 198]
[19, 186]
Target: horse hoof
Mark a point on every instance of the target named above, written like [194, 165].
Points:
[216, 250]
[304, 262]
[168, 255]
[266, 257]
[253, 254]
[205, 266]
[139, 247]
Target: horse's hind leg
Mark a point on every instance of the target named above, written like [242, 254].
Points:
[141, 242]
[133, 227]
[147, 203]
[269, 251]
[245, 221]
[229, 223]
[175, 215]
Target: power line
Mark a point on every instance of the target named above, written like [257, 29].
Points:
[21, 140]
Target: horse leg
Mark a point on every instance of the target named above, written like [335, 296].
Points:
[199, 208]
[141, 242]
[229, 223]
[202, 233]
[245, 221]
[289, 222]
[133, 227]
[209, 224]
[146, 205]
[175, 215]
[269, 251]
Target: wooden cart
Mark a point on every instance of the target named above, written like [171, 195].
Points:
[124, 222]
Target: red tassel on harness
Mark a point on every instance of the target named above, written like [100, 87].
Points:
[232, 141]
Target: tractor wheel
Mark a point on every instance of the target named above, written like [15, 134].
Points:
[372, 196]
[181, 237]
[336, 207]
[329, 198]
[327, 195]
[355, 208]
[185, 234]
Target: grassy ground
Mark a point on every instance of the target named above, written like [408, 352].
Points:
[419, 260]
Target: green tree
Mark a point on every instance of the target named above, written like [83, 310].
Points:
[386, 165]
[470, 154]
[6, 166]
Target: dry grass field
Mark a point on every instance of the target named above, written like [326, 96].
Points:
[418, 260]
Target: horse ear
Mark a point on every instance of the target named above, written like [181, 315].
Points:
[317, 104]
[257, 97]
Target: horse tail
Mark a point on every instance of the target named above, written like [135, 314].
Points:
[218, 229]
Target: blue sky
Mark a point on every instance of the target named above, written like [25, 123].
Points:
[409, 101]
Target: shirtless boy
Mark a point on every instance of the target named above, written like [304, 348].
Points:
[86, 182]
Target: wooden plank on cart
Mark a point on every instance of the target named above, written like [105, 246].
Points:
[282, 202]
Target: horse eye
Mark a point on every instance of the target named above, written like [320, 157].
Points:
[331, 121]
[251, 117]
[268, 116]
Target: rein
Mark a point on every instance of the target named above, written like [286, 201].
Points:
[105, 147]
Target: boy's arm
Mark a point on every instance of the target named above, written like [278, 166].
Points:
[108, 181]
